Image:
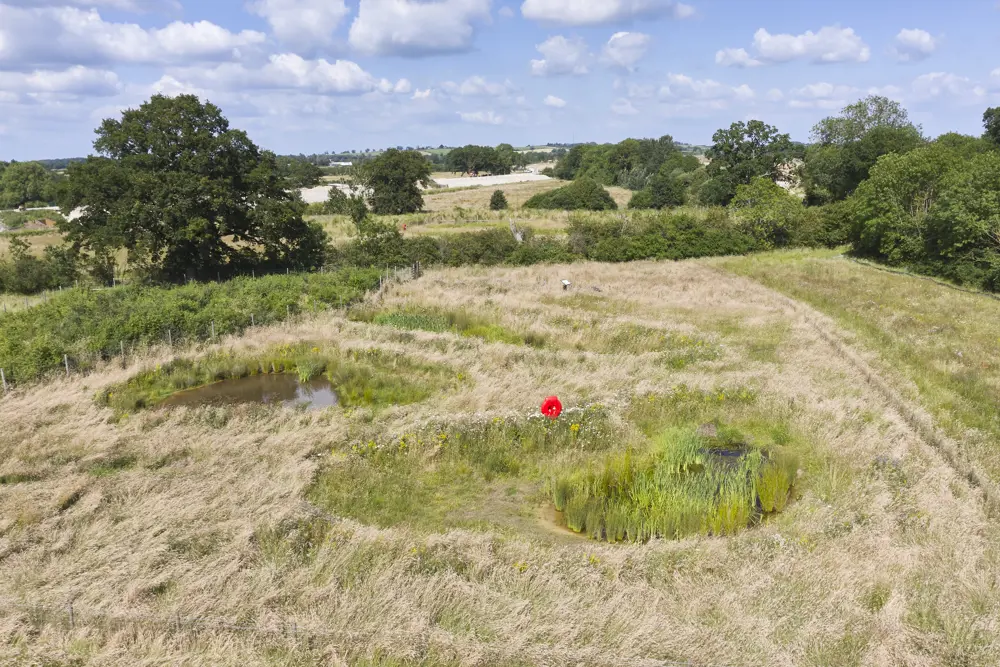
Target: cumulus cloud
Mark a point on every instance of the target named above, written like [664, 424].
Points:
[412, 28]
[51, 35]
[625, 49]
[623, 107]
[553, 101]
[597, 12]
[944, 84]
[288, 71]
[832, 44]
[421, 94]
[561, 56]
[822, 95]
[913, 45]
[77, 80]
[308, 23]
[683, 87]
[481, 117]
[477, 86]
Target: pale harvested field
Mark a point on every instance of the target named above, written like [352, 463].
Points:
[885, 565]
[516, 193]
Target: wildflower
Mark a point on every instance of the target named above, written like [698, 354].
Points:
[551, 407]
[575, 428]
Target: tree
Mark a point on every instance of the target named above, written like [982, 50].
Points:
[765, 211]
[300, 173]
[663, 190]
[498, 201]
[856, 120]
[847, 146]
[582, 194]
[391, 182]
[25, 182]
[186, 196]
[991, 121]
[743, 152]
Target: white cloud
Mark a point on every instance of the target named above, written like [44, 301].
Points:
[421, 94]
[412, 28]
[913, 45]
[288, 71]
[553, 101]
[953, 86]
[623, 107]
[832, 44]
[822, 95]
[683, 87]
[506, 12]
[995, 72]
[481, 117]
[76, 80]
[306, 23]
[561, 56]
[625, 49]
[596, 12]
[476, 86]
[735, 58]
[138, 6]
[775, 95]
[67, 35]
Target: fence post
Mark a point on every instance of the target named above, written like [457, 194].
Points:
[66, 362]
[72, 619]
[251, 319]
[213, 328]
[121, 344]
[170, 340]
[288, 311]
[4, 379]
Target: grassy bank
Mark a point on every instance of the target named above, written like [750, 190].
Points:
[944, 341]
[88, 326]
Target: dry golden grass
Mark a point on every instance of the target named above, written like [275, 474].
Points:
[891, 563]
[37, 242]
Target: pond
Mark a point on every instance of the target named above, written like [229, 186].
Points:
[282, 389]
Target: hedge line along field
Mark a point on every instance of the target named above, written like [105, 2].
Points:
[425, 531]
[88, 325]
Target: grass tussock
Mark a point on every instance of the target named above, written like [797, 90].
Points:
[453, 321]
[369, 377]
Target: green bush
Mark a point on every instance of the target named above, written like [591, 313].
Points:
[498, 201]
[95, 324]
[581, 194]
[661, 191]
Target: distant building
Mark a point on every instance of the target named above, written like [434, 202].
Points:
[340, 164]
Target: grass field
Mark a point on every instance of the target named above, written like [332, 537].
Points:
[422, 531]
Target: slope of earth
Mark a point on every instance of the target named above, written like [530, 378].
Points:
[158, 524]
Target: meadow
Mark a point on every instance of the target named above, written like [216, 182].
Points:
[436, 518]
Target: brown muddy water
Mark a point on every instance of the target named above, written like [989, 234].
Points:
[279, 389]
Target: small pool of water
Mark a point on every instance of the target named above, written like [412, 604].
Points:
[271, 389]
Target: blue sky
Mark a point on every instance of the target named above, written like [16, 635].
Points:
[316, 75]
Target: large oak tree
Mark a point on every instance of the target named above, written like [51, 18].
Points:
[187, 197]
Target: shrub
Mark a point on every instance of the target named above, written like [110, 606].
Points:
[95, 324]
[765, 211]
[337, 202]
[581, 194]
[498, 202]
[661, 191]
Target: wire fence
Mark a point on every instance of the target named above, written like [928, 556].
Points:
[71, 616]
[83, 362]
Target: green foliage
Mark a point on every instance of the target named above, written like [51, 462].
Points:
[659, 236]
[663, 190]
[299, 173]
[991, 123]
[498, 201]
[684, 485]
[583, 194]
[766, 212]
[23, 183]
[628, 163]
[360, 377]
[475, 159]
[95, 324]
[848, 146]
[743, 152]
[391, 182]
[187, 197]
[337, 202]
[24, 273]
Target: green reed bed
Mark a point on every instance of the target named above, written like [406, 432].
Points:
[360, 377]
[680, 486]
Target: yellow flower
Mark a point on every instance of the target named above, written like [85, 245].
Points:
[574, 427]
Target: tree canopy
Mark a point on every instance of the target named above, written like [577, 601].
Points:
[24, 183]
[991, 122]
[743, 152]
[186, 196]
[391, 182]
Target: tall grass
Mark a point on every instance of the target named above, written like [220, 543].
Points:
[676, 488]
[92, 325]
[455, 321]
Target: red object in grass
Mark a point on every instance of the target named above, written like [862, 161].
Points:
[551, 407]
[404, 227]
